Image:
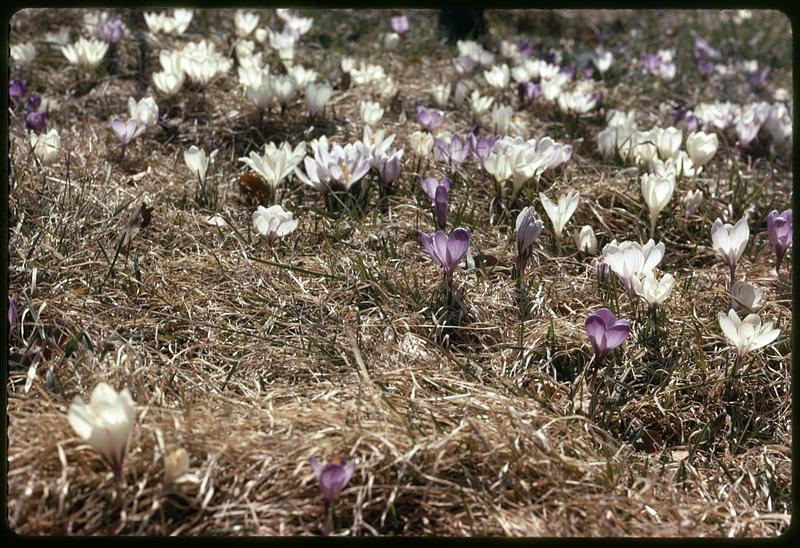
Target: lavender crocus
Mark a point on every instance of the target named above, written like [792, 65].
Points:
[454, 152]
[528, 91]
[389, 166]
[400, 24]
[481, 146]
[333, 477]
[429, 118]
[651, 62]
[126, 131]
[703, 49]
[440, 203]
[525, 49]
[705, 67]
[111, 31]
[34, 103]
[36, 121]
[528, 228]
[430, 185]
[605, 332]
[779, 226]
[447, 250]
[17, 89]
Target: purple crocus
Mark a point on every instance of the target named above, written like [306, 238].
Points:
[111, 31]
[400, 24]
[605, 332]
[687, 117]
[17, 89]
[465, 65]
[528, 228]
[34, 103]
[703, 49]
[429, 118]
[481, 146]
[456, 151]
[569, 71]
[651, 62]
[447, 250]
[333, 477]
[36, 121]
[528, 91]
[126, 131]
[706, 67]
[430, 185]
[758, 78]
[779, 226]
[440, 203]
[389, 166]
[12, 315]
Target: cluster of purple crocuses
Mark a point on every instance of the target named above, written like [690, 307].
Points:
[35, 108]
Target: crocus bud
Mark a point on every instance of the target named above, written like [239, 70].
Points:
[370, 112]
[560, 213]
[400, 24]
[701, 147]
[586, 240]
[333, 477]
[197, 162]
[176, 466]
[441, 94]
[390, 41]
[145, 111]
[657, 192]
[105, 423]
[17, 89]
[112, 31]
[779, 227]
[746, 297]
[528, 227]
[440, 202]
[46, 146]
[748, 334]
[652, 290]
[36, 121]
[605, 333]
[692, 201]
[729, 241]
[317, 96]
[668, 142]
[389, 166]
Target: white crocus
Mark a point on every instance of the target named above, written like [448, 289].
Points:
[317, 96]
[171, 61]
[46, 146]
[277, 162]
[370, 111]
[377, 142]
[632, 259]
[701, 147]
[657, 192]
[176, 466]
[480, 104]
[168, 83]
[653, 291]
[145, 111]
[646, 150]
[441, 94]
[501, 119]
[421, 143]
[197, 161]
[729, 241]
[692, 201]
[336, 167]
[602, 60]
[85, 53]
[560, 213]
[302, 76]
[390, 41]
[245, 22]
[668, 142]
[283, 88]
[586, 240]
[498, 76]
[273, 222]
[105, 423]
[748, 334]
[499, 166]
[746, 297]
[23, 54]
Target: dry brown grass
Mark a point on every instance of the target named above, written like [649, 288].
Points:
[336, 343]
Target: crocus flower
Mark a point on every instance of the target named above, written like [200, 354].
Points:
[748, 334]
[605, 332]
[276, 163]
[657, 192]
[706, 67]
[702, 48]
[586, 240]
[528, 227]
[273, 222]
[441, 94]
[440, 202]
[692, 201]
[421, 143]
[701, 147]
[176, 466]
[447, 250]
[86, 53]
[632, 259]
[482, 146]
[112, 31]
[370, 111]
[389, 166]
[333, 477]
[23, 54]
[430, 185]
[340, 167]
[729, 242]
[12, 315]
[105, 423]
[34, 103]
[317, 96]
[560, 213]
[46, 146]
[779, 226]
[400, 24]
[528, 91]
[17, 89]
[455, 151]
[746, 297]
[126, 131]
[144, 111]
[429, 118]
[168, 83]
[197, 162]
[653, 291]
[36, 121]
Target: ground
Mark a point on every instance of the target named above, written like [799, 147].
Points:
[337, 340]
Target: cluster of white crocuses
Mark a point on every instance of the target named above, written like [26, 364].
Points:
[176, 24]
[748, 121]
[519, 161]
[200, 62]
[86, 53]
